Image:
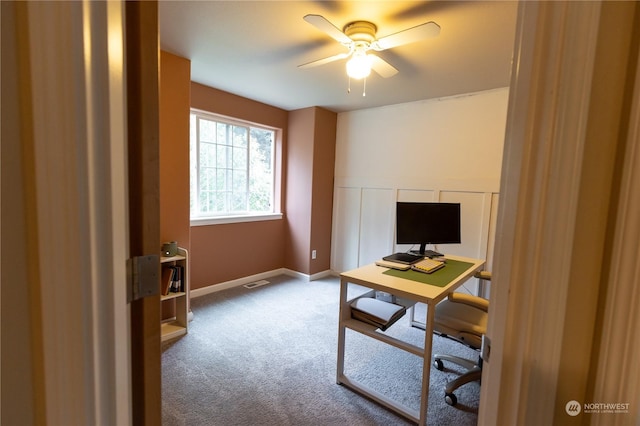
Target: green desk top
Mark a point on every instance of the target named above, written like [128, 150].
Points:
[439, 278]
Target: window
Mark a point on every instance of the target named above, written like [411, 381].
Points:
[232, 168]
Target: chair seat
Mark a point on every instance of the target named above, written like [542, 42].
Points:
[462, 322]
[462, 318]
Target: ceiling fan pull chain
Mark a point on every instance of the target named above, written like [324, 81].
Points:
[349, 85]
[364, 87]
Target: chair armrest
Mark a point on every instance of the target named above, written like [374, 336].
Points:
[483, 275]
[467, 299]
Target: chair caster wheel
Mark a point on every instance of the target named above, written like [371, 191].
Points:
[437, 363]
[450, 399]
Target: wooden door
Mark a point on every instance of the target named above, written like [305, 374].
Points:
[142, 59]
[64, 172]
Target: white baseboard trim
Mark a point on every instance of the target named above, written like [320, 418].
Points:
[323, 274]
[261, 276]
[235, 283]
[307, 277]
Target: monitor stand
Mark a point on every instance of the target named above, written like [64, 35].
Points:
[427, 253]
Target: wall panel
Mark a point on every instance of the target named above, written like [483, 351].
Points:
[346, 229]
[416, 196]
[475, 211]
[451, 143]
[364, 226]
[472, 228]
[447, 150]
[376, 224]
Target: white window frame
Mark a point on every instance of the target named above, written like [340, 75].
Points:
[275, 212]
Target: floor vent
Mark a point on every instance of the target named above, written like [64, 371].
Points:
[256, 284]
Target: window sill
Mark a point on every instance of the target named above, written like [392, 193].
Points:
[235, 219]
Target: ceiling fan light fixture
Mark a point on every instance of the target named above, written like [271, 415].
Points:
[359, 66]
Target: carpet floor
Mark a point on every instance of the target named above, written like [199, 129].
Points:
[267, 356]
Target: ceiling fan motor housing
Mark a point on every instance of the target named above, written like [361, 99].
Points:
[361, 31]
[360, 37]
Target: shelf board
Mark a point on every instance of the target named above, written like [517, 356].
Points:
[172, 295]
[170, 330]
[175, 258]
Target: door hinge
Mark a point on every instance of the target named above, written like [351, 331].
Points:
[143, 277]
[485, 350]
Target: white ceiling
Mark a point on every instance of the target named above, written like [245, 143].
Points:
[253, 49]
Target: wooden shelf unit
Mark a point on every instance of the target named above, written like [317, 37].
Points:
[177, 325]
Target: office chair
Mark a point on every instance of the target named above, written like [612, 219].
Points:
[463, 318]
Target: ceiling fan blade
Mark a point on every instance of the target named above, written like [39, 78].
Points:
[410, 35]
[321, 23]
[382, 67]
[325, 60]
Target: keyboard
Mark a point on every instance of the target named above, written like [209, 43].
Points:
[393, 265]
[403, 258]
[427, 265]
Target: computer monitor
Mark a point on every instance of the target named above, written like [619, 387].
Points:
[427, 223]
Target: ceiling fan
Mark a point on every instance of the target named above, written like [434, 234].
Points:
[360, 38]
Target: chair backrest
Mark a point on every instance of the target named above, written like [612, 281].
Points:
[461, 321]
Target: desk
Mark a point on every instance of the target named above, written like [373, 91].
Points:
[408, 293]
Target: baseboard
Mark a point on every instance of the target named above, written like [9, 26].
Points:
[235, 283]
[261, 276]
[307, 277]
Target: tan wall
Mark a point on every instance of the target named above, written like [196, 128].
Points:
[221, 253]
[299, 183]
[309, 199]
[324, 158]
[175, 86]
[224, 103]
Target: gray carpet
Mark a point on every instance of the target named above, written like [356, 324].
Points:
[267, 356]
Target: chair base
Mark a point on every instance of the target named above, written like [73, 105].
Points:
[474, 373]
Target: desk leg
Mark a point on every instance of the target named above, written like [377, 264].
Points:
[341, 329]
[426, 362]
[412, 319]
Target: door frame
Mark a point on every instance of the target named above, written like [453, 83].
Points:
[65, 212]
[565, 218]
[143, 132]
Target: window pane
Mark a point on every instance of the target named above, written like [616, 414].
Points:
[259, 202]
[221, 183]
[239, 181]
[207, 155]
[221, 130]
[224, 154]
[239, 203]
[262, 146]
[233, 164]
[206, 201]
[240, 158]
[207, 179]
[193, 163]
[261, 182]
[221, 202]
[239, 136]
[228, 176]
[207, 130]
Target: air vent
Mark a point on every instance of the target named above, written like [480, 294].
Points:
[256, 284]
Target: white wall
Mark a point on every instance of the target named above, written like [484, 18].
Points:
[447, 150]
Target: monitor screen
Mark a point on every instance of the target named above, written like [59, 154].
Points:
[427, 223]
